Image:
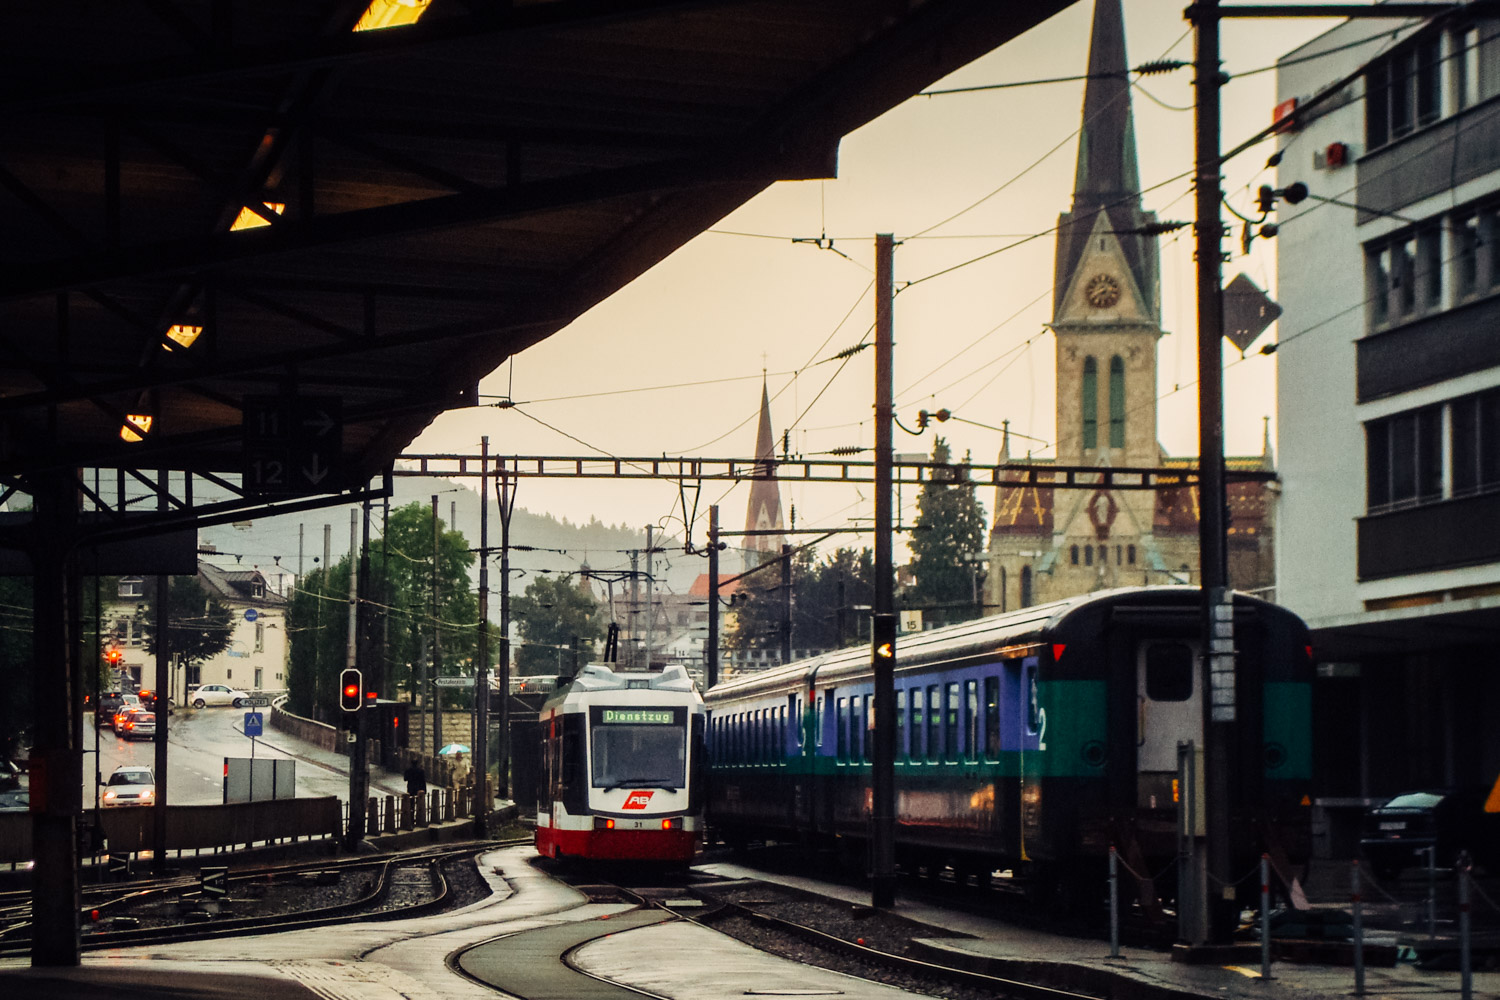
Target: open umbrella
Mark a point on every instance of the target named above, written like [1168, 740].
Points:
[453, 748]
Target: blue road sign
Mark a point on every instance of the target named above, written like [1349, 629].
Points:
[253, 726]
[251, 614]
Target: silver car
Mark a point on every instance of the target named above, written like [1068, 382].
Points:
[130, 785]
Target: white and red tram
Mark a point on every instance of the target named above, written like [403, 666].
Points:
[622, 767]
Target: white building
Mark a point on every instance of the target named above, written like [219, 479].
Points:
[257, 654]
[1388, 531]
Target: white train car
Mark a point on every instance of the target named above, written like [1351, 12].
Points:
[622, 767]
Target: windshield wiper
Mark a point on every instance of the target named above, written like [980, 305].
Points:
[660, 784]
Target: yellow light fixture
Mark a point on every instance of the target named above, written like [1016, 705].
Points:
[183, 334]
[136, 427]
[391, 14]
[253, 220]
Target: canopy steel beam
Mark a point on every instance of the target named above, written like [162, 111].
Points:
[1074, 477]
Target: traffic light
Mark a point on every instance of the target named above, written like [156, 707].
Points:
[112, 655]
[350, 688]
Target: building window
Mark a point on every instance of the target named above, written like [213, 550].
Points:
[1405, 275]
[131, 586]
[1130, 554]
[1475, 445]
[1403, 91]
[1074, 555]
[1090, 403]
[1404, 459]
[1116, 402]
[1088, 555]
[1025, 586]
[260, 637]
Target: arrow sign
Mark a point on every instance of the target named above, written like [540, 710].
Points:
[293, 445]
[1247, 312]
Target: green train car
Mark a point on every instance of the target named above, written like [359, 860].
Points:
[1030, 741]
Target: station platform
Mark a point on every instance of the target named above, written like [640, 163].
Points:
[469, 953]
[1002, 949]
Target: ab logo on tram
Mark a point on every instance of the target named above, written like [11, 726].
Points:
[638, 799]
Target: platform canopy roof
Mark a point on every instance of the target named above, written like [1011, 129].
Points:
[206, 204]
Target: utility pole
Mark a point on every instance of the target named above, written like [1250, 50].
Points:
[356, 829]
[482, 675]
[437, 639]
[711, 653]
[786, 603]
[1217, 918]
[883, 645]
[650, 592]
[163, 683]
[635, 605]
[507, 492]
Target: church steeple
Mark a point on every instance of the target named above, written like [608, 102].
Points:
[1107, 170]
[764, 511]
[1106, 214]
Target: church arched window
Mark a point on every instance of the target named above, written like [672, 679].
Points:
[1025, 586]
[1003, 594]
[1075, 555]
[1116, 402]
[1090, 402]
[1088, 555]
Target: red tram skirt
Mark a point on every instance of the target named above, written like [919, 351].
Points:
[618, 845]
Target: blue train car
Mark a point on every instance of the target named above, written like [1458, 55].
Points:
[1030, 741]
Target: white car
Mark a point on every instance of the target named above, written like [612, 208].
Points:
[217, 694]
[130, 785]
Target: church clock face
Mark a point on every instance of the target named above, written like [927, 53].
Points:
[1102, 291]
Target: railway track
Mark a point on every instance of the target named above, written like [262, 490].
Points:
[255, 899]
[809, 929]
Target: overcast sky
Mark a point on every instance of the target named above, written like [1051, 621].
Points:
[954, 178]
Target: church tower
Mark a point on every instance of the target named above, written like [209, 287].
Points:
[763, 513]
[1106, 293]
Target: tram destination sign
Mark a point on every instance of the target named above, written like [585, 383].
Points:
[638, 717]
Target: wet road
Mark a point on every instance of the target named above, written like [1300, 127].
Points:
[198, 741]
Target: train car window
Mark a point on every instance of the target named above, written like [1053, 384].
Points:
[952, 729]
[1033, 698]
[819, 715]
[902, 737]
[841, 720]
[934, 724]
[869, 743]
[632, 747]
[573, 763]
[794, 704]
[915, 719]
[856, 730]
[971, 720]
[1169, 671]
[781, 751]
[992, 718]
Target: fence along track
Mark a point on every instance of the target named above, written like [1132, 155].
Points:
[366, 907]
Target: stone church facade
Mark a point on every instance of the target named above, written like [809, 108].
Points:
[1050, 543]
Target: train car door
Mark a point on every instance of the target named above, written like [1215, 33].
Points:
[1169, 710]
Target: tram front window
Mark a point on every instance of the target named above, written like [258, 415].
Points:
[639, 748]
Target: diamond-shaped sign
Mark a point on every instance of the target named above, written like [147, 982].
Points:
[1247, 312]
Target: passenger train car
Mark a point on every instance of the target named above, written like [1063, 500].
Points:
[1030, 741]
[622, 761]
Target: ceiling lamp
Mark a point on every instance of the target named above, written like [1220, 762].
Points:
[136, 427]
[391, 14]
[248, 219]
[182, 335]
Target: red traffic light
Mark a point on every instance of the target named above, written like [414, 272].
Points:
[350, 685]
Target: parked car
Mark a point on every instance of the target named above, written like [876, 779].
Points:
[218, 694]
[138, 724]
[130, 785]
[16, 801]
[1397, 834]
